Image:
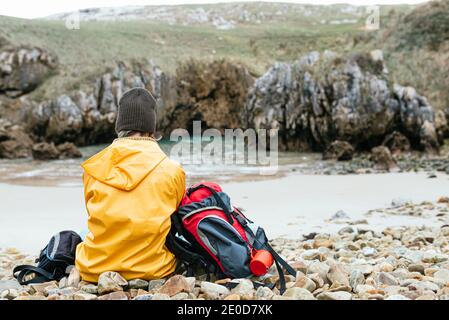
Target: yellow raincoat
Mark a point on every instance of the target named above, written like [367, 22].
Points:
[131, 189]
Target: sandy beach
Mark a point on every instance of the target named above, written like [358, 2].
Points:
[299, 204]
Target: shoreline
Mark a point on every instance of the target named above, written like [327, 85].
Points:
[302, 204]
[68, 172]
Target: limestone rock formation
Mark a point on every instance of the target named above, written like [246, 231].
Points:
[22, 69]
[68, 150]
[339, 150]
[45, 151]
[88, 117]
[417, 117]
[381, 156]
[314, 102]
[50, 151]
[325, 97]
[397, 143]
[213, 93]
[442, 123]
[14, 142]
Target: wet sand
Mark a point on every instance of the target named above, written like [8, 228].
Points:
[286, 207]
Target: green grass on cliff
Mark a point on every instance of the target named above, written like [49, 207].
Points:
[86, 53]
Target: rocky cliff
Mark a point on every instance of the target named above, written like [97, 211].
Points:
[23, 68]
[325, 97]
[213, 93]
[319, 99]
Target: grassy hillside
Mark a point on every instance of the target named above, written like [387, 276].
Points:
[416, 47]
[84, 54]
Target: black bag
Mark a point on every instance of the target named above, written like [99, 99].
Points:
[53, 259]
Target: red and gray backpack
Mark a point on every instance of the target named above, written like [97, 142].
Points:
[209, 234]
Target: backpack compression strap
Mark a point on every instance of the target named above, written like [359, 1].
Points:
[24, 270]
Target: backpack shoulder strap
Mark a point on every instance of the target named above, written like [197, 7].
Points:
[190, 259]
[24, 270]
[281, 261]
[180, 250]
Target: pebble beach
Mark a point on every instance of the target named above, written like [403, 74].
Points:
[355, 263]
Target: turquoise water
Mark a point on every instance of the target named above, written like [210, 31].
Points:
[68, 172]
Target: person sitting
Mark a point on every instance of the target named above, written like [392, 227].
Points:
[131, 188]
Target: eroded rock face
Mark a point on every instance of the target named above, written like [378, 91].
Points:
[56, 120]
[397, 143]
[381, 156]
[50, 151]
[22, 69]
[65, 121]
[14, 142]
[324, 97]
[88, 117]
[417, 118]
[442, 123]
[45, 151]
[214, 93]
[68, 150]
[339, 150]
[314, 102]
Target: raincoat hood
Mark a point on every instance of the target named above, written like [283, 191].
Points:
[125, 163]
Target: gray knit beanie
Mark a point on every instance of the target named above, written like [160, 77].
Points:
[136, 111]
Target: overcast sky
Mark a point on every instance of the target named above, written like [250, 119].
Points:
[41, 8]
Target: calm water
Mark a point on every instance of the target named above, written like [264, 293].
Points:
[68, 172]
